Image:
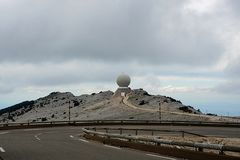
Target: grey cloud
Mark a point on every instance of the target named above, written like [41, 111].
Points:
[143, 31]
[229, 87]
[75, 72]
[5, 89]
[235, 5]
[233, 69]
[64, 73]
[232, 76]
[105, 38]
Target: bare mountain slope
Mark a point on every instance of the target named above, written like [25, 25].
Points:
[136, 105]
[142, 99]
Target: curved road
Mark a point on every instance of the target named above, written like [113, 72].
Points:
[65, 143]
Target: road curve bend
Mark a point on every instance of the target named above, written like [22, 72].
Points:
[65, 143]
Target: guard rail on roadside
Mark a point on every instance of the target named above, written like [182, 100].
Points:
[13, 125]
[196, 145]
[144, 131]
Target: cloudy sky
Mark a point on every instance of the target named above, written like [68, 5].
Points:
[188, 49]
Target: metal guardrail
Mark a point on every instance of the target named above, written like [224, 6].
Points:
[151, 132]
[116, 122]
[196, 145]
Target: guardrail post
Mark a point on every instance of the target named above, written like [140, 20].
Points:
[221, 152]
[182, 134]
[136, 132]
[152, 132]
[200, 149]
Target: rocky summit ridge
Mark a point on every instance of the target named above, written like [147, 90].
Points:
[138, 104]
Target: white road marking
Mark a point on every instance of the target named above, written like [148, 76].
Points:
[36, 136]
[71, 136]
[154, 155]
[3, 133]
[111, 146]
[2, 150]
[83, 140]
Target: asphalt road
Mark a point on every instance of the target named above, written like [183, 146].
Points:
[65, 143]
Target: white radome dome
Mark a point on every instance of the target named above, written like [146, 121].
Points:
[123, 80]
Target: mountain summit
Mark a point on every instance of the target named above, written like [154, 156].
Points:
[138, 104]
